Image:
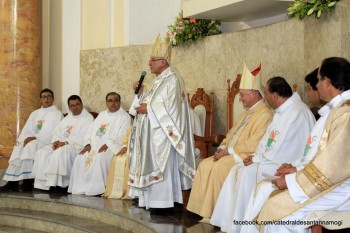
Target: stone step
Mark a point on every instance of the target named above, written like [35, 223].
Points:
[85, 211]
[12, 229]
[52, 222]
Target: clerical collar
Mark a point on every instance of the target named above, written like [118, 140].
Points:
[167, 72]
[52, 107]
[335, 101]
[80, 115]
[325, 109]
[114, 113]
[295, 98]
[345, 95]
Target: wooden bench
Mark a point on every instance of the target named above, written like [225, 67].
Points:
[5, 153]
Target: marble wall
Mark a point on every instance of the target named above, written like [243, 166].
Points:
[289, 49]
[20, 66]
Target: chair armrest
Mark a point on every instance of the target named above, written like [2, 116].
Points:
[199, 143]
[218, 139]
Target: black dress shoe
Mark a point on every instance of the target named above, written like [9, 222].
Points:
[61, 190]
[162, 211]
[52, 189]
[27, 185]
[10, 186]
[135, 201]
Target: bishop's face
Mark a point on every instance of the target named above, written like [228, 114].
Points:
[246, 97]
[157, 65]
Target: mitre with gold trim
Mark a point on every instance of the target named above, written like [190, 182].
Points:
[161, 49]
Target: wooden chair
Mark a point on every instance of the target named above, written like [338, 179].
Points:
[233, 110]
[5, 154]
[294, 87]
[206, 143]
[210, 140]
[94, 114]
[232, 92]
[203, 106]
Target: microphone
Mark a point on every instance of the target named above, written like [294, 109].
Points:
[143, 74]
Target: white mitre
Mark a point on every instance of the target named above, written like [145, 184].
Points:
[251, 80]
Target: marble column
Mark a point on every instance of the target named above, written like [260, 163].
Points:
[20, 66]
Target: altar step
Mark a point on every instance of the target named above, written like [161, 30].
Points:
[50, 222]
[33, 215]
[11, 229]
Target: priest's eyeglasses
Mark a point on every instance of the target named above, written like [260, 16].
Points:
[112, 101]
[46, 97]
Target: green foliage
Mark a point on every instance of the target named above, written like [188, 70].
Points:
[191, 29]
[305, 8]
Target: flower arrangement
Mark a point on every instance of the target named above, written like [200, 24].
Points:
[305, 8]
[191, 29]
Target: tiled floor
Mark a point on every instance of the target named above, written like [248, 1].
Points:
[178, 220]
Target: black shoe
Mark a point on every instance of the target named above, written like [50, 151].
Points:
[37, 190]
[58, 190]
[61, 190]
[52, 189]
[161, 211]
[10, 186]
[135, 201]
[27, 185]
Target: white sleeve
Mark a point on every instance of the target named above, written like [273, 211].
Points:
[135, 104]
[294, 189]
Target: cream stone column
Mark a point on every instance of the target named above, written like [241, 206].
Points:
[20, 67]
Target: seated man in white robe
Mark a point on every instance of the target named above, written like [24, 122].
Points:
[53, 163]
[264, 188]
[104, 139]
[162, 159]
[315, 102]
[282, 143]
[36, 133]
[322, 184]
[240, 142]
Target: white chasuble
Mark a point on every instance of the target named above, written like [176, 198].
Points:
[161, 145]
[53, 167]
[40, 124]
[323, 181]
[283, 142]
[90, 170]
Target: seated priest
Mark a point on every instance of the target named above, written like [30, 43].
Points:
[240, 142]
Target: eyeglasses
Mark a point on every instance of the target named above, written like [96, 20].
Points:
[112, 101]
[75, 105]
[46, 97]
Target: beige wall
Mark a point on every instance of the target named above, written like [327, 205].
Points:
[95, 24]
[289, 49]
